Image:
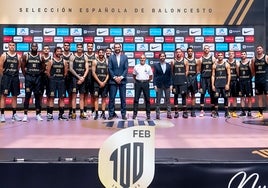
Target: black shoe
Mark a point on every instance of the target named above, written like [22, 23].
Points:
[242, 114]
[169, 116]
[214, 114]
[227, 115]
[176, 115]
[193, 114]
[249, 114]
[124, 117]
[110, 118]
[115, 115]
[103, 116]
[96, 117]
[134, 116]
[157, 116]
[148, 117]
[185, 115]
[62, 117]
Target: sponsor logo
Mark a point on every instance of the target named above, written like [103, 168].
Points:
[169, 39]
[118, 39]
[247, 31]
[219, 39]
[139, 39]
[102, 31]
[73, 48]
[234, 31]
[159, 39]
[8, 38]
[152, 93]
[142, 47]
[49, 31]
[48, 39]
[221, 46]
[195, 31]
[17, 39]
[89, 39]
[199, 39]
[131, 62]
[9, 31]
[149, 39]
[97, 47]
[28, 39]
[131, 47]
[168, 31]
[229, 39]
[58, 39]
[208, 31]
[62, 31]
[239, 39]
[78, 39]
[155, 47]
[130, 93]
[129, 39]
[169, 54]
[130, 85]
[76, 31]
[130, 70]
[5, 46]
[222, 31]
[98, 39]
[248, 47]
[179, 39]
[235, 46]
[68, 39]
[169, 47]
[38, 39]
[129, 54]
[92, 32]
[182, 46]
[22, 47]
[129, 31]
[181, 32]
[249, 39]
[155, 31]
[108, 39]
[22, 31]
[149, 54]
[142, 32]
[209, 39]
[116, 31]
[32, 31]
[189, 39]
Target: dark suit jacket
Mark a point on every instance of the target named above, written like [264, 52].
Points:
[162, 79]
[114, 70]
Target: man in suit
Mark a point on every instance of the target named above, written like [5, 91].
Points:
[162, 83]
[118, 68]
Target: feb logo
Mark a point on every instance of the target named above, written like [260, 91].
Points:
[126, 159]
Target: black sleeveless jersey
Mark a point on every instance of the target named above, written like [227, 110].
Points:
[261, 69]
[33, 64]
[57, 68]
[179, 73]
[91, 58]
[220, 75]
[79, 64]
[101, 70]
[192, 66]
[233, 70]
[11, 65]
[206, 67]
[244, 71]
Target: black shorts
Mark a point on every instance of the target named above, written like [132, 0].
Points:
[78, 88]
[221, 92]
[261, 87]
[101, 92]
[192, 84]
[57, 87]
[89, 84]
[33, 83]
[68, 81]
[10, 84]
[205, 85]
[245, 88]
[179, 89]
[45, 84]
[234, 88]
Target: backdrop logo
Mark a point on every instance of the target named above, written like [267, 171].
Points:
[126, 159]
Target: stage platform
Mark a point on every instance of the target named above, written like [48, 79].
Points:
[195, 152]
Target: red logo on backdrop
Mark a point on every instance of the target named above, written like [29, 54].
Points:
[156, 54]
[229, 39]
[209, 39]
[130, 70]
[28, 39]
[68, 39]
[149, 39]
[237, 54]
[129, 39]
[249, 39]
[207, 101]
[7, 39]
[189, 39]
[8, 100]
[169, 39]
[151, 101]
[66, 100]
[137, 54]
[48, 39]
[89, 39]
[129, 100]
[109, 39]
[198, 54]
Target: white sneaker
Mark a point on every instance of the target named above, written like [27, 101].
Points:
[15, 117]
[38, 117]
[202, 113]
[25, 118]
[2, 118]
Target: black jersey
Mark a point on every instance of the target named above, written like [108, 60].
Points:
[33, 64]
[91, 58]
[261, 69]
[244, 71]
[101, 70]
[206, 67]
[233, 71]
[57, 68]
[192, 66]
[220, 75]
[11, 65]
[179, 73]
[79, 64]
